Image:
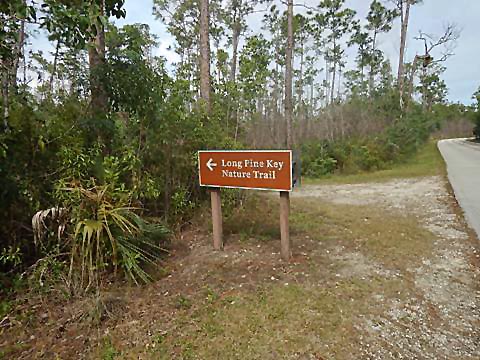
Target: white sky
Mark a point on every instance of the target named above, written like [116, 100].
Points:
[463, 69]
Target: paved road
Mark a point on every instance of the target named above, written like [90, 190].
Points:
[463, 165]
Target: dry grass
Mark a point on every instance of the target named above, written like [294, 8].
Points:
[277, 322]
[387, 238]
[312, 307]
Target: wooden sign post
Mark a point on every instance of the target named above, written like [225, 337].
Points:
[217, 219]
[285, 251]
[252, 169]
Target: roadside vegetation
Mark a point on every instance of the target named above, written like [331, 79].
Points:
[98, 142]
[427, 161]
[245, 302]
[476, 130]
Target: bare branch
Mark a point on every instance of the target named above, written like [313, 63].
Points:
[448, 42]
[307, 7]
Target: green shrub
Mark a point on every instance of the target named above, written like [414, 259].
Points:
[476, 129]
[397, 142]
[317, 159]
[107, 235]
[322, 166]
[97, 221]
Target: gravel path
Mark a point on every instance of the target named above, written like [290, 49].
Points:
[443, 320]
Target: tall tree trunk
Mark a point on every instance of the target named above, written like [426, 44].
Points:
[9, 73]
[332, 89]
[301, 109]
[233, 70]
[403, 39]
[362, 69]
[54, 69]
[371, 81]
[96, 60]
[205, 55]
[310, 111]
[5, 97]
[277, 88]
[327, 79]
[334, 70]
[17, 54]
[237, 28]
[289, 75]
[411, 83]
[425, 95]
[339, 89]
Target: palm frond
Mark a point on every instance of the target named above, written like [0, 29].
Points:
[40, 229]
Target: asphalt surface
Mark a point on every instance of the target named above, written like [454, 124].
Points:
[463, 166]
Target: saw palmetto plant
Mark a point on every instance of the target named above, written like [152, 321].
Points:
[109, 235]
[103, 234]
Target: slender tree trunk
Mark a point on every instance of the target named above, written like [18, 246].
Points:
[54, 70]
[277, 87]
[371, 82]
[334, 70]
[327, 86]
[205, 55]
[17, 54]
[403, 39]
[300, 76]
[237, 124]
[5, 98]
[289, 75]
[9, 72]
[339, 83]
[332, 89]
[233, 70]
[425, 97]
[310, 112]
[301, 108]
[411, 84]
[24, 82]
[362, 69]
[96, 59]
[312, 102]
[237, 28]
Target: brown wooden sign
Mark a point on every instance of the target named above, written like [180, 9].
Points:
[246, 169]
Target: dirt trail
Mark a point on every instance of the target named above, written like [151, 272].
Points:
[443, 320]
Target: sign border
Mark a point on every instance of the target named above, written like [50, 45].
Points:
[290, 152]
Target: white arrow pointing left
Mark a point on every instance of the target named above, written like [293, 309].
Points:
[211, 164]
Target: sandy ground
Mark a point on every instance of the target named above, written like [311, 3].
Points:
[443, 321]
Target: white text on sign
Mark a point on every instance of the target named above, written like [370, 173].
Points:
[248, 169]
[270, 164]
[252, 164]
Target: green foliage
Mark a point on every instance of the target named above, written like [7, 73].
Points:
[10, 12]
[108, 351]
[476, 116]
[254, 61]
[11, 256]
[106, 233]
[432, 87]
[73, 22]
[317, 159]
[395, 144]
[48, 274]
[52, 158]
[231, 198]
